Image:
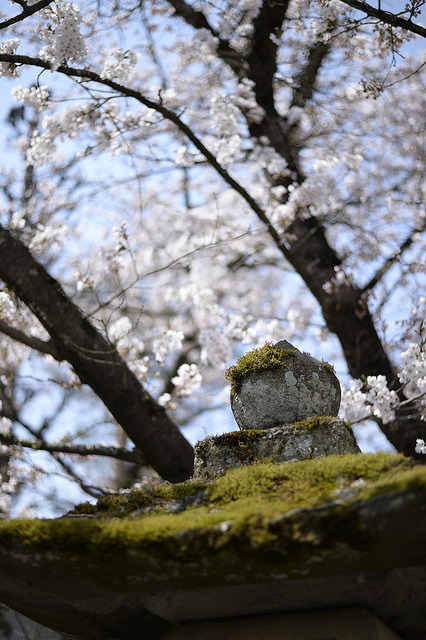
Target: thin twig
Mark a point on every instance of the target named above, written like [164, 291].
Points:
[388, 263]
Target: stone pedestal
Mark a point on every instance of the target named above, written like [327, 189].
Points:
[285, 403]
[315, 549]
[312, 438]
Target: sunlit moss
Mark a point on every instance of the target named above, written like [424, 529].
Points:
[248, 498]
[262, 359]
[242, 442]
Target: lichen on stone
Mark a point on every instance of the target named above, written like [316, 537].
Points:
[263, 358]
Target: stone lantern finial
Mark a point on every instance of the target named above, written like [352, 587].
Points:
[285, 403]
[278, 384]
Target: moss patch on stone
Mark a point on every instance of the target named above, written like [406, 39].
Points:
[261, 359]
[242, 503]
[242, 442]
[136, 501]
[328, 366]
[315, 422]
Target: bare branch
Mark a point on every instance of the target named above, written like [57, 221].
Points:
[25, 13]
[39, 444]
[29, 341]
[392, 259]
[95, 492]
[387, 17]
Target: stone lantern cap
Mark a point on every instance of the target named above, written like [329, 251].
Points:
[278, 384]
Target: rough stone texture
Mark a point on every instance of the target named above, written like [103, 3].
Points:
[303, 388]
[313, 438]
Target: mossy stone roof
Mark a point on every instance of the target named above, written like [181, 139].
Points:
[310, 519]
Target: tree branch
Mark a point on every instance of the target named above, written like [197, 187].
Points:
[169, 115]
[25, 13]
[305, 80]
[29, 341]
[263, 51]
[258, 65]
[160, 108]
[95, 492]
[386, 17]
[198, 20]
[392, 259]
[38, 444]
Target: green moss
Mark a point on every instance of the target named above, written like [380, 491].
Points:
[138, 500]
[85, 508]
[249, 500]
[242, 441]
[328, 366]
[314, 422]
[262, 359]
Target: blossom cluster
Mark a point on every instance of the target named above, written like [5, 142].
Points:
[225, 116]
[129, 346]
[420, 446]
[372, 397]
[35, 97]
[188, 379]
[413, 371]
[8, 484]
[369, 398]
[9, 69]
[119, 64]
[105, 126]
[61, 34]
[166, 342]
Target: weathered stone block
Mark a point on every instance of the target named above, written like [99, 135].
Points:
[312, 438]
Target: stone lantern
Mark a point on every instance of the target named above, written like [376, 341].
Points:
[285, 403]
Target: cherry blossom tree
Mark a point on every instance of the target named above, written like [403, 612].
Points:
[184, 180]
